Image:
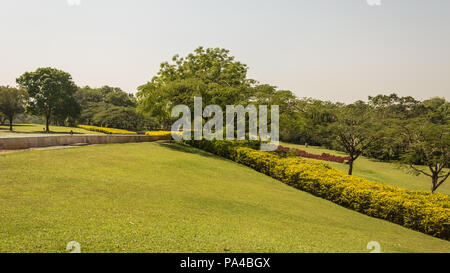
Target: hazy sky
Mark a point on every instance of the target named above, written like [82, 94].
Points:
[340, 50]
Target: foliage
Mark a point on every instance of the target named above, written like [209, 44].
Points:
[355, 130]
[107, 130]
[51, 94]
[428, 144]
[12, 102]
[111, 107]
[209, 73]
[428, 213]
[160, 133]
[301, 153]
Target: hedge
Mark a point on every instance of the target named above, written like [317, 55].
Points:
[158, 133]
[106, 130]
[424, 212]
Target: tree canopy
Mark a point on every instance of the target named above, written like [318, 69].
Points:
[51, 93]
[209, 73]
[12, 102]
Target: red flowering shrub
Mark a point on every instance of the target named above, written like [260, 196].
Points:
[324, 156]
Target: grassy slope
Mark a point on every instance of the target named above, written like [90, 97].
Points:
[37, 129]
[382, 172]
[169, 198]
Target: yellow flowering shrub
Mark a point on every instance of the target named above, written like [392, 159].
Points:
[107, 130]
[425, 212]
[160, 133]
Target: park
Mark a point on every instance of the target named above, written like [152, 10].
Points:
[225, 136]
[364, 173]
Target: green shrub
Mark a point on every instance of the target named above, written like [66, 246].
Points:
[424, 212]
[106, 130]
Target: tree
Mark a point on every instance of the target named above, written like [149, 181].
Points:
[3, 118]
[50, 92]
[355, 130]
[12, 102]
[209, 73]
[428, 144]
[111, 107]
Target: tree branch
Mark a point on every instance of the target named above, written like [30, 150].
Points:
[420, 171]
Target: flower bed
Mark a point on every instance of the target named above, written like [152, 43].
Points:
[158, 133]
[107, 130]
[323, 157]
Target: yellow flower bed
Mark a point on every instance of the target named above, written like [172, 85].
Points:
[425, 212]
[159, 133]
[107, 130]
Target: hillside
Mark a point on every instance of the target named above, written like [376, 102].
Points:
[169, 198]
[387, 173]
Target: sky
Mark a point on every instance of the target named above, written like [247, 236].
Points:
[337, 50]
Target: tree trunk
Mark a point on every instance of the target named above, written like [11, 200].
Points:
[350, 168]
[11, 124]
[47, 127]
[434, 186]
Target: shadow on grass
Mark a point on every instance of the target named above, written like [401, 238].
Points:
[179, 147]
[40, 132]
[5, 129]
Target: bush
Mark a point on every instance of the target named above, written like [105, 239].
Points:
[323, 157]
[107, 130]
[158, 133]
[424, 212]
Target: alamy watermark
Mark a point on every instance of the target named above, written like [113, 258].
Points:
[373, 2]
[258, 127]
[73, 2]
[374, 246]
[73, 247]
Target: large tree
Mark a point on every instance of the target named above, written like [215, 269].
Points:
[50, 91]
[355, 130]
[428, 149]
[12, 102]
[209, 73]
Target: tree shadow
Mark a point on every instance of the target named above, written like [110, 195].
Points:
[180, 147]
[5, 129]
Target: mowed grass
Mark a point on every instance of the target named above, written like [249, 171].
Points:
[153, 197]
[386, 173]
[40, 129]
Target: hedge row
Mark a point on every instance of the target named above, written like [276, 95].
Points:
[158, 133]
[424, 212]
[106, 130]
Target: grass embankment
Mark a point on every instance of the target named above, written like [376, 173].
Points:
[152, 197]
[40, 129]
[382, 172]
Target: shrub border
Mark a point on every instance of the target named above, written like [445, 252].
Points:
[420, 211]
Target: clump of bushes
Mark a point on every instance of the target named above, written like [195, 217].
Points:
[323, 157]
[424, 212]
[158, 133]
[107, 130]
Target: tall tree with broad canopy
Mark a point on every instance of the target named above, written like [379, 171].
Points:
[50, 90]
[209, 73]
[428, 144]
[355, 130]
[12, 102]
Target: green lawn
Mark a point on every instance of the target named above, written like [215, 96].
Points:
[33, 129]
[153, 197]
[388, 173]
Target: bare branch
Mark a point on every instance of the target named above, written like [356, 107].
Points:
[419, 170]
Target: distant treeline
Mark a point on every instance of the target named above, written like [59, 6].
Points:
[385, 127]
[106, 107]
